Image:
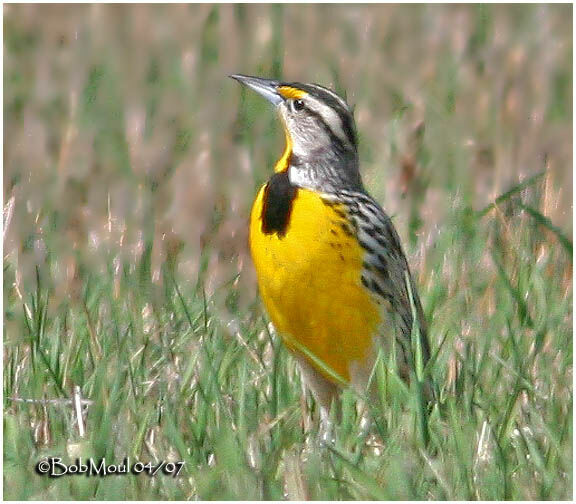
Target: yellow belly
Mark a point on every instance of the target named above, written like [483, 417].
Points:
[310, 282]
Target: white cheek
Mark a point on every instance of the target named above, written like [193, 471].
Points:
[304, 144]
[300, 145]
[299, 149]
[301, 178]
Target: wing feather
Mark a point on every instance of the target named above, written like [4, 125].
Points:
[386, 269]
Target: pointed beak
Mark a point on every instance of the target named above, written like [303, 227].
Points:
[265, 87]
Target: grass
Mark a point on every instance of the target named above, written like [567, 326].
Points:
[127, 282]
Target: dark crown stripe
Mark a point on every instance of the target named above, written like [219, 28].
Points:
[326, 96]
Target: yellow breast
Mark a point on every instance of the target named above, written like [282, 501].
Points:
[309, 280]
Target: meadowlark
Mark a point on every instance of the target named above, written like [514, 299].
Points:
[331, 270]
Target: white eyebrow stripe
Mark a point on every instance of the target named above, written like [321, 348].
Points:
[330, 117]
[331, 93]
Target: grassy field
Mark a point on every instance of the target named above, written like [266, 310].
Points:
[130, 163]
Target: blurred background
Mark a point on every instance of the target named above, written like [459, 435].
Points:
[124, 136]
[130, 164]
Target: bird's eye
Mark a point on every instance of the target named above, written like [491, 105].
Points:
[297, 105]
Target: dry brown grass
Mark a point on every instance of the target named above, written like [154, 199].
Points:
[119, 115]
[128, 152]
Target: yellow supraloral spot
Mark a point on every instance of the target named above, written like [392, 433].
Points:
[291, 92]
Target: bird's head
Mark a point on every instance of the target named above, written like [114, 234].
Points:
[319, 127]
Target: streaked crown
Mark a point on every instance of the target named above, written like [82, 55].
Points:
[316, 118]
[320, 133]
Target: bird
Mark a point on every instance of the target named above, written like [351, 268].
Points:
[330, 267]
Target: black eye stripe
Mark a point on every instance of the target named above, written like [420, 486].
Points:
[334, 138]
[348, 127]
[326, 97]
